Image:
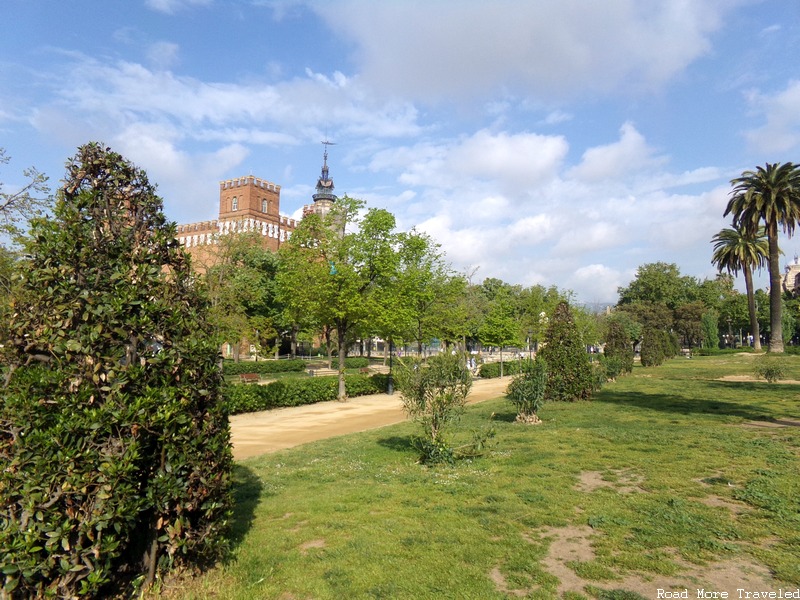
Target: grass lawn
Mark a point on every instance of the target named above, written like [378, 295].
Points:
[662, 480]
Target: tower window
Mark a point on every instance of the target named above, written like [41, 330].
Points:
[235, 203]
[263, 205]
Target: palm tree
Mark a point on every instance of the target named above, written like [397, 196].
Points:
[770, 195]
[738, 250]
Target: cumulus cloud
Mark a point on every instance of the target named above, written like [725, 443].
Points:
[781, 131]
[163, 55]
[432, 49]
[630, 154]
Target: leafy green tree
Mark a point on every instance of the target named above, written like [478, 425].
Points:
[499, 327]
[688, 322]
[114, 441]
[709, 329]
[653, 351]
[338, 268]
[770, 196]
[618, 344]
[743, 250]
[659, 283]
[434, 393]
[569, 369]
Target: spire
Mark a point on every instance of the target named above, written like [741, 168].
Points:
[325, 183]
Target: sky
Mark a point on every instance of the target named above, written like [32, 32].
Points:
[554, 142]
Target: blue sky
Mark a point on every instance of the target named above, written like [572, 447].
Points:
[554, 142]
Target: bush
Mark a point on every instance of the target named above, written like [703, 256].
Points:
[770, 368]
[526, 390]
[569, 371]
[613, 366]
[434, 393]
[264, 367]
[618, 352]
[297, 392]
[492, 370]
[113, 438]
[351, 362]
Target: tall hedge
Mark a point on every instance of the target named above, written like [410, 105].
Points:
[569, 370]
[114, 443]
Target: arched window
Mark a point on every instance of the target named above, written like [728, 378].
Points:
[263, 205]
[235, 203]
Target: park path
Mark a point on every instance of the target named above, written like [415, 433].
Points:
[262, 432]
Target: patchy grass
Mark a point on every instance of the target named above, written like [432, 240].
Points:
[666, 478]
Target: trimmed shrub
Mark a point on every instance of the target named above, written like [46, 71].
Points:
[492, 370]
[296, 392]
[569, 370]
[264, 367]
[770, 368]
[351, 362]
[618, 352]
[114, 442]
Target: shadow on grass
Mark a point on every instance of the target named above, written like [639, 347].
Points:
[247, 493]
[683, 405]
[397, 443]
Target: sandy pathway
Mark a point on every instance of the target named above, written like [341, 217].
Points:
[258, 433]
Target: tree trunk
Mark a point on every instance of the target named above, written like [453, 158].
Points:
[751, 308]
[341, 333]
[775, 291]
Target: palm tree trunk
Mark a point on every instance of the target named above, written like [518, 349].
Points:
[751, 308]
[775, 292]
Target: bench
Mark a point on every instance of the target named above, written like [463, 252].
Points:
[249, 378]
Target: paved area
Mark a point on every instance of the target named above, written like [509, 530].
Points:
[258, 433]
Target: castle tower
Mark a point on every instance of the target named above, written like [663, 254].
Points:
[249, 197]
[324, 198]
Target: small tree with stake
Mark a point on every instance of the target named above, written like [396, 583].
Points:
[114, 442]
[526, 390]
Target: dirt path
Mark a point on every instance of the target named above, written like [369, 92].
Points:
[262, 432]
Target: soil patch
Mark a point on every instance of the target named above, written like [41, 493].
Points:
[626, 482]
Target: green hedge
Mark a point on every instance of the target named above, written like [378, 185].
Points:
[351, 362]
[492, 370]
[263, 367]
[296, 392]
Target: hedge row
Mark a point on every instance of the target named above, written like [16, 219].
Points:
[351, 362]
[295, 392]
[263, 367]
[492, 370]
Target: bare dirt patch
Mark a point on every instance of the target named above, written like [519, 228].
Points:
[573, 544]
[627, 482]
[501, 585]
[306, 546]
[753, 378]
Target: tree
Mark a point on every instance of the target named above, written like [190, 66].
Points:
[569, 369]
[660, 283]
[618, 344]
[741, 250]
[24, 204]
[336, 268]
[768, 195]
[114, 440]
[688, 322]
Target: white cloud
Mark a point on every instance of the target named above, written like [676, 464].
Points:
[163, 55]
[431, 49]
[630, 154]
[172, 6]
[781, 132]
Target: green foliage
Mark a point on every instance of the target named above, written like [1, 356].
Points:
[114, 443]
[653, 351]
[709, 329]
[297, 392]
[264, 367]
[526, 391]
[569, 370]
[618, 351]
[351, 362]
[492, 370]
[770, 369]
[434, 394]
